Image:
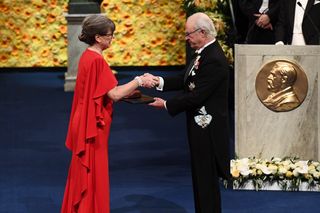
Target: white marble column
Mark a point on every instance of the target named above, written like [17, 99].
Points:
[75, 49]
[264, 133]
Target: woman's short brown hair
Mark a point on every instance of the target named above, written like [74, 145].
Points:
[94, 25]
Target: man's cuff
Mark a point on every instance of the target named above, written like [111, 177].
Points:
[165, 104]
[161, 84]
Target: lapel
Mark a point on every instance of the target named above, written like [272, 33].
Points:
[203, 54]
[191, 64]
[308, 7]
[259, 3]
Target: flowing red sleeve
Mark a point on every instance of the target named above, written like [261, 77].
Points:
[99, 81]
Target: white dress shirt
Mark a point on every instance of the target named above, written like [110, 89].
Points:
[297, 37]
[264, 6]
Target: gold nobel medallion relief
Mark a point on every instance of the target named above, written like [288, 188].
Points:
[281, 85]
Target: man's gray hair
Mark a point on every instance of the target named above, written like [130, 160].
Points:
[205, 23]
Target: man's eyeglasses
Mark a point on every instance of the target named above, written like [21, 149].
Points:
[188, 34]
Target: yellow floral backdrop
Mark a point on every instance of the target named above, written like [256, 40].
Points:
[149, 32]
[33, 33]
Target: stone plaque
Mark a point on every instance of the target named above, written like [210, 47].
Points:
[281, 85]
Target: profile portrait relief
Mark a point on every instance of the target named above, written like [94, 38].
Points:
[282, 91]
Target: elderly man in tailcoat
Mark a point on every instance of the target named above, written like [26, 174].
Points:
[204, 99]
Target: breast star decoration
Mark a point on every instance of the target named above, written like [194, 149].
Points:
[191, 86]
[195, 65]
[204, 119]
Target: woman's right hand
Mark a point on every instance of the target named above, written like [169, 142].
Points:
[149, 80]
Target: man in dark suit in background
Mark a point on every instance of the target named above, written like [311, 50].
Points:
[205, 101]
[299, 22]
[262, 16]
[240, 22]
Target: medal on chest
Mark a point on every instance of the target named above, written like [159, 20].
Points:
[204, 119]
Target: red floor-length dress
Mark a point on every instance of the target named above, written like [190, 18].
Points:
[87, 188]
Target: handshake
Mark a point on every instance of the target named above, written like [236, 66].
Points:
[148, 80]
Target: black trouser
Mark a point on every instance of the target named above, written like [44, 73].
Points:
[204, 173]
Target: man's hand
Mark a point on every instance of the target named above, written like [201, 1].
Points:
[158, 103]
[149, 80]
[155, 79]
[263, 21]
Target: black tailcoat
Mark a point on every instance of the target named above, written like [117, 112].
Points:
[206, 86]
[284, 27]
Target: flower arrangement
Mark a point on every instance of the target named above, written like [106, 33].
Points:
[218, 11]
[288, 173]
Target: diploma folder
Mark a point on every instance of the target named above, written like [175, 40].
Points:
[143, 99]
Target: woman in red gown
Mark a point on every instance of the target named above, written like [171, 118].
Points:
[87, 188]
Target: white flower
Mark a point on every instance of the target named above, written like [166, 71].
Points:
[311, 169]
[282, 170]
[302, 167]
[273, 168]
[276, 160]
[264, 169]
[315, 163]
[243, 166]
[316, 175]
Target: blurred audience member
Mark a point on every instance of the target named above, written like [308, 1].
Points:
[299, 22]
[240, 22]
[262, 16]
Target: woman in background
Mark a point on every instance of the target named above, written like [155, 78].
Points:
[87, 188]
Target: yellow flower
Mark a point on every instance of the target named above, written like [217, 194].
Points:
[4, 8]
[205, 3]
[259, 172]
[4, 43]
[289, 174]
[51, 18]
[55, 62]
[17, 9]
[27, 13]
[15, 51]
[53, 4]
[44, 52]
[63, 29]
[307, 176]
[235, 173]
[3, 58]
[39, 2]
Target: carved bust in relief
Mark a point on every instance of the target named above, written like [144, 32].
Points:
[283, 92]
